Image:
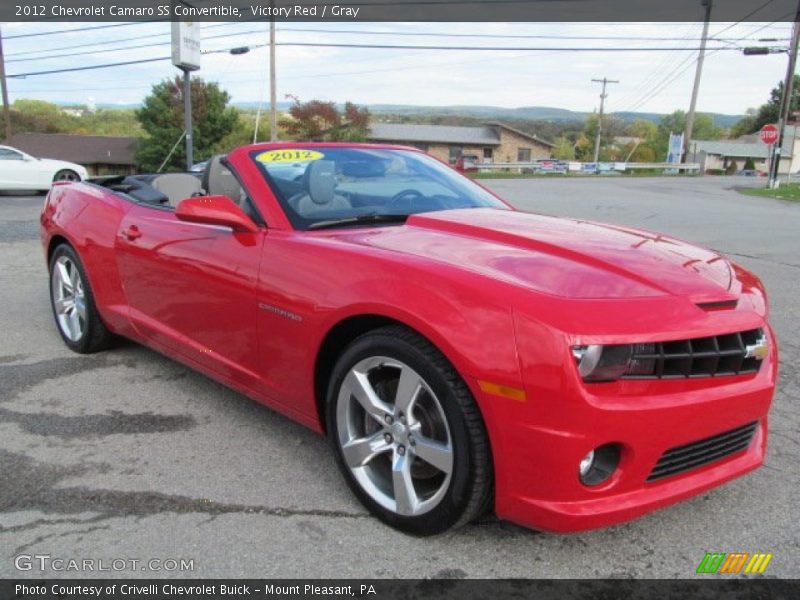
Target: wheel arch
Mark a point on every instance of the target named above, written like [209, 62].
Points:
[348, 329]
[55, 241]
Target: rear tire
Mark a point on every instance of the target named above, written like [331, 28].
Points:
[66, 175]
[407, 434]
[72, 301]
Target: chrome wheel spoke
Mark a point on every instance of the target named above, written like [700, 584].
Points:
[403, 486]
[359, 386]
[358, 452]
[434, 453]
[408, 388]
[73, 324]
[64, 278]
[62, 305]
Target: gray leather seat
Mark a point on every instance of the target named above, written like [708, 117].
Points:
[177, 186]
[320, 194]
[219, 181]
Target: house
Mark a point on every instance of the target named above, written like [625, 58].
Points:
[101, 155]
[719, 155]
[492, 142]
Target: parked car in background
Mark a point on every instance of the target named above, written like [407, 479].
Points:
[467, 163]
[21, 171]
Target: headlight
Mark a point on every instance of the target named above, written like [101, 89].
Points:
[609, 363]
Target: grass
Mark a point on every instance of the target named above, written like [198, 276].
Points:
[787, 191]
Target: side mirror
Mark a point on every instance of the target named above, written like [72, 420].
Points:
[215, 210]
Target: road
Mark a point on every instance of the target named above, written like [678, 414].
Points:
[128, 455]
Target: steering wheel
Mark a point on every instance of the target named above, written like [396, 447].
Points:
[404, 196]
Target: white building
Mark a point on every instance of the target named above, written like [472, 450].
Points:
[718, 155]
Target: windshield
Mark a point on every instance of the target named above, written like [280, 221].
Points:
[342, 184]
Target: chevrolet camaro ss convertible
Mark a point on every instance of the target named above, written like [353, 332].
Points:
[461, 356]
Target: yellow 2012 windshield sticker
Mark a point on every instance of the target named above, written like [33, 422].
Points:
[289, 155]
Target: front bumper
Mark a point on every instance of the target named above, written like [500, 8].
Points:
[538, 444]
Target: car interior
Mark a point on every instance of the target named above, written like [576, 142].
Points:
[166, 190]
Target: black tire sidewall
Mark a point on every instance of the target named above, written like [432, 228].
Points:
[450, 509]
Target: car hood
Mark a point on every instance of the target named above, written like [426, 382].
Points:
[559, 256]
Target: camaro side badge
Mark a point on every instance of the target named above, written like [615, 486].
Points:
[759, 350]
[280, 312]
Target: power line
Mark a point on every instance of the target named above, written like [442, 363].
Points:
[400, 47]
[498, 36]
[103, 43]
[136, 47]
[77, 29]
[670, 78]
[92, 67]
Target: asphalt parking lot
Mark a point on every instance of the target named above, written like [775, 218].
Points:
[128, 455]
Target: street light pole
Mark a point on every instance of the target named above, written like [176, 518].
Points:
[786, 103]
[187, 117]
[273, 94]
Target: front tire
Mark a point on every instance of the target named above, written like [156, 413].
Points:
[72, 301]
[407, 434]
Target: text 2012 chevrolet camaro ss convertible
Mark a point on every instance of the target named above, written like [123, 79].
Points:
[460, 355]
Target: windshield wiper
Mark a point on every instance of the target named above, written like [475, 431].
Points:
[361, 219]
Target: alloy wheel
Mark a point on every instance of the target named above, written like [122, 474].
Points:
[394, 436]
[69, 299]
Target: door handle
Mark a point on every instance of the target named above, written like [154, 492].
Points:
[132, 233]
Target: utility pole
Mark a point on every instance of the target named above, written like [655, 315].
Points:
[273, 93]
[605, 81]
[6, 110]
[687, 132]
[786, 102]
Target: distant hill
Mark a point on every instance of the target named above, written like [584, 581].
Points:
[486, 113]
[497, 113]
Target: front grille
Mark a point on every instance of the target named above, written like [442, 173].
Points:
[698, 357]
[680, 459]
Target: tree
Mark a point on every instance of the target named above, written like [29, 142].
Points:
[162, 119]
[563, 149]
[755, 119]
[37, 116]
[704, 129]
[323, 121]
[770, 112]
[612, 128]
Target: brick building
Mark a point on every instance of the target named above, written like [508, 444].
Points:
[491, 143]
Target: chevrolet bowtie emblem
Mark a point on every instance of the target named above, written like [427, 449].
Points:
[759, 350]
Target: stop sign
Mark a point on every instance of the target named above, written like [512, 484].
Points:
[768, 134]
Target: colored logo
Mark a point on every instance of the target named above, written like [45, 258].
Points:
[759, 350]
[733, 563]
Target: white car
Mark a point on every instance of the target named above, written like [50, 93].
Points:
[20, 171]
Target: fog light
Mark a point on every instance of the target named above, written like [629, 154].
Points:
[597, 466]
[586, 464]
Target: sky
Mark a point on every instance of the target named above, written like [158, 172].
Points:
[657, 81]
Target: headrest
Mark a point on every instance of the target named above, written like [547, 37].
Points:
[219, 181]
[176, 186]
[320, 181]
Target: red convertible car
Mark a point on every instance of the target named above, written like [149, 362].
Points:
[460, 356]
